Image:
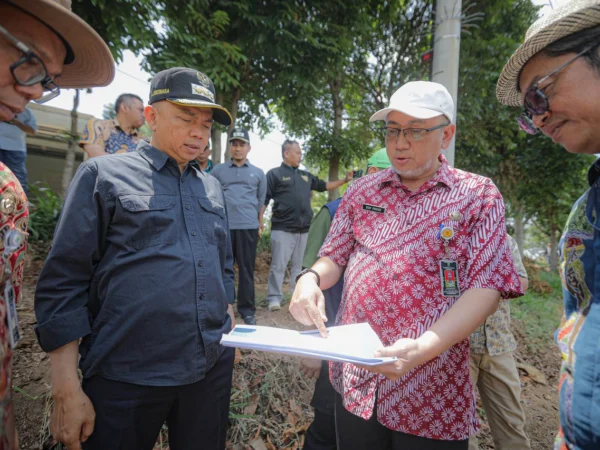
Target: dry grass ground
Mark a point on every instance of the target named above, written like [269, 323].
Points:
[270, 400]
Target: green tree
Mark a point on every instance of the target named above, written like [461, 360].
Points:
[243, 46]
[539, 180]
[365, 50]
[123, 24]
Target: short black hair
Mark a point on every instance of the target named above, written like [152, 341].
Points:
[576, 43]
[287, 143]
[123, 98]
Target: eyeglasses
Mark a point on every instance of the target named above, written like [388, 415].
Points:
[410, 134]
[31, 70]
[536, 102]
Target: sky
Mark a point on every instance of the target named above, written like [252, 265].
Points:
[265, 153]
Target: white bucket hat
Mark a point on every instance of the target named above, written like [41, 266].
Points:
[573, 16]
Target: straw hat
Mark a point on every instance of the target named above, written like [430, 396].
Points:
[573, 16]
[89, 62]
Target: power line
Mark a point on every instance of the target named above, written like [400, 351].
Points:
[131, 76]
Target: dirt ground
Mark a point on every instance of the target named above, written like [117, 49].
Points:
[32, 376]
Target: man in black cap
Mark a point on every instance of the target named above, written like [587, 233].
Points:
[245, 187]
[146, 283]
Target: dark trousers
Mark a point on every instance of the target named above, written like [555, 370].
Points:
[15, 161]
[321, 432]
[244, 244]
[129, 416]
[355, 433]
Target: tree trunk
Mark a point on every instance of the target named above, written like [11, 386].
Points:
[73, 138]
[215, 137]
[338, 111]
[234, 111]
[519, 231]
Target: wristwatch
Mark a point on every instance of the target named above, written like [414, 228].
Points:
[305, 271]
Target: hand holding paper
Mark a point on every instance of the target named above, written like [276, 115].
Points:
[408, 354]
[355, 343]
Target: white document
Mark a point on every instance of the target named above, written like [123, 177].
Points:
[347, 343]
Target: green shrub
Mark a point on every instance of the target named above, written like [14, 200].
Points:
[44, 213]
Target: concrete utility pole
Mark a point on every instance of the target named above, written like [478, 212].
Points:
[446, 52]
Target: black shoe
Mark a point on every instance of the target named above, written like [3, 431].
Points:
[249, 320]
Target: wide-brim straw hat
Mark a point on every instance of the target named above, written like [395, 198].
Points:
[92, 64]
[573, 16]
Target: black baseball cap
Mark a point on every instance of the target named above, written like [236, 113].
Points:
[187, 87]
[239, 134]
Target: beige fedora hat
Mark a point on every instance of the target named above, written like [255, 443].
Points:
[573, 16]
[89, 62]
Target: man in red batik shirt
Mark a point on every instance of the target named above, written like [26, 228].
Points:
[425, 258]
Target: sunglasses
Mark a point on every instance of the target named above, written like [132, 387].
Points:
[536, 102]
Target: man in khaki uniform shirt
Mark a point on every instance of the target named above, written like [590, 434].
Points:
[494, 372]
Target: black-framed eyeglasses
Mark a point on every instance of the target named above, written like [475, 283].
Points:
[31, 70]
[410, 134]
[535, 100]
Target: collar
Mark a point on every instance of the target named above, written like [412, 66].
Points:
[294, 169]
[134, 133]
[594, 172]
[445, 175]
[154, 156]
[231, 164]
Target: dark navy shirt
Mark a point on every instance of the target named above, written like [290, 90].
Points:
[141, 269]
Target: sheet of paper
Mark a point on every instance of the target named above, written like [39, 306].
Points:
[354, 343]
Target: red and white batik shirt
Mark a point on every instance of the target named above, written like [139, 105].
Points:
[387, 238]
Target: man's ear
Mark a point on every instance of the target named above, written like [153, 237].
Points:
[151, 113]
[447, 135]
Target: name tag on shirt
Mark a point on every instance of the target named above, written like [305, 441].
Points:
[373, 208]
[449, 278]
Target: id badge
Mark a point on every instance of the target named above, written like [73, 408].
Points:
[11, 314]
[449, 278]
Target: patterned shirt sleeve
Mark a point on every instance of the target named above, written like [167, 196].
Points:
[519, 266]
[94, 133]
[490, 263]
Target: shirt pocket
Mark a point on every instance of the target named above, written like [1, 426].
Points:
[213, 221]
[149, 220]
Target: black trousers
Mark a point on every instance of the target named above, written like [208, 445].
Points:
[321, 432]
[244, 244]
[130, 416]
[355, 433]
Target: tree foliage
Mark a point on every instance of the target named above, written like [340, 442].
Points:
[538, 179]
[123, 24]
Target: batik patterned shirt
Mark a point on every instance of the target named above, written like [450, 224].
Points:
[494, 336]
[109, 135]
[391, 252]
[14, 217]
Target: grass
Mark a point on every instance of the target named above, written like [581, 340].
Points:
[540, 312]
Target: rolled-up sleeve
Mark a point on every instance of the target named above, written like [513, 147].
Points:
[61, 297]
[491, 263]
